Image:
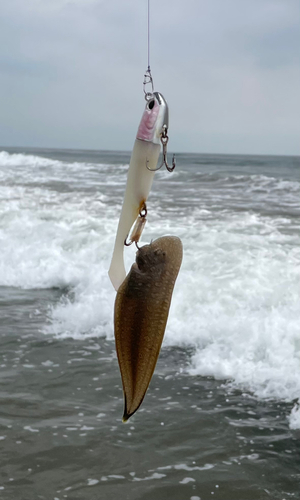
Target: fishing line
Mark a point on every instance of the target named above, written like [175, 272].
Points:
[149, 36]
[147, 76]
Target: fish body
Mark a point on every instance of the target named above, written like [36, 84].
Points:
[140, 316]
[145, 153]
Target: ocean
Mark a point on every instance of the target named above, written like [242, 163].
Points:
[221, 419]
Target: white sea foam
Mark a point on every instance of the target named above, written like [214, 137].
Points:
[23, 160]
[294, 418]
[236, 301]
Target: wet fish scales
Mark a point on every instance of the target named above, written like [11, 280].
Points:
[141, 312]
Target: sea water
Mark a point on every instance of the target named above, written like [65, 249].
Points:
[221, 418]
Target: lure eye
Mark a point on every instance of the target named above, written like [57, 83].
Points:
[151, 104]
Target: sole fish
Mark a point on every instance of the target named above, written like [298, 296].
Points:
[140, 317]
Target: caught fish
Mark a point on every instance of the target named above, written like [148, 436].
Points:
[141, 312]
[151, 133]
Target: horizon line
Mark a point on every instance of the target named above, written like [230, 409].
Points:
[2, 148]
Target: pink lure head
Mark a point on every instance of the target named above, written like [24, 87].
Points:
[155, 117]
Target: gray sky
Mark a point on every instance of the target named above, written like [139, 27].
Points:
[71, 73]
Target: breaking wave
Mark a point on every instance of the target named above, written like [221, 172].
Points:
[236, 300]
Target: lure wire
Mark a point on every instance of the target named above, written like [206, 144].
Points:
[147, 76]
[149, 35]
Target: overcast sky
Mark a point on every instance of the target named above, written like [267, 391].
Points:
[71, 73]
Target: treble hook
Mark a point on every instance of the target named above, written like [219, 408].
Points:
[138, 227]
[164, 140]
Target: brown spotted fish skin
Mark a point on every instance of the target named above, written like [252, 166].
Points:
[141, 312]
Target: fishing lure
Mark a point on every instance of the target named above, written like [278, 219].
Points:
[152, 132]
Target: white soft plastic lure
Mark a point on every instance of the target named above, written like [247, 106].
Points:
[143, 162]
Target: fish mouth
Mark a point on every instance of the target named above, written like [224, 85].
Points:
[135, 267]
[139, 264]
